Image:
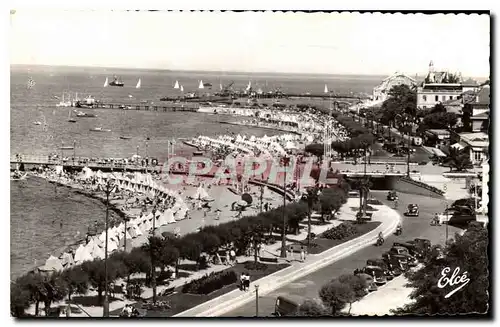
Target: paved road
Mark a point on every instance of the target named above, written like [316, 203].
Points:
[308, 286]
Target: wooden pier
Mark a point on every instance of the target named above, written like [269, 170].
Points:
[164, 107]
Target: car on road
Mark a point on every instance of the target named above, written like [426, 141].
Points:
[392, 196]
[285, 306]
[423, 244]
[412, 248]
[370, 283]
[375, 272]
[401, 250]
[389, 274]
[412, 210]
[396, 262]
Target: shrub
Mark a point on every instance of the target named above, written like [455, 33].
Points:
[340, 232]
[209, 283]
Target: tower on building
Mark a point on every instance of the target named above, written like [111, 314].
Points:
[431, 67]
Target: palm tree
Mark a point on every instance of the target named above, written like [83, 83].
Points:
[363, 185]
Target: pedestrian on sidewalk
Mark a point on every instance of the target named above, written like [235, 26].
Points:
[227, 258]
[247, 281]
[233, 257]
[302, 255]
[242, 281]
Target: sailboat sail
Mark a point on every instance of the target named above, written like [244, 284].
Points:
[201, 85]
[138, 86]
[176, 86]
[326, 89]
[249, 86]
[106, 82]
[182, 88]
[220, 85]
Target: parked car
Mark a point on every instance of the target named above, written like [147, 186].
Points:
[424, 245]
[412, 210]
[389, 274]
[392, 196]
[396, 261]
[375, 272]
[285, 307]
[400, 250]
[371, 286]
[413, 249]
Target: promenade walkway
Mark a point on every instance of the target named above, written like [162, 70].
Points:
[229, 301]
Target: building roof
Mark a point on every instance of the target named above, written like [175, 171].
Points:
[439, 131]
[484, 95]
[475, 139]
[483, 115]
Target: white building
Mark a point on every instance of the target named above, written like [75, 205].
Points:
[381, 92]
[442, 86]
[478, 144]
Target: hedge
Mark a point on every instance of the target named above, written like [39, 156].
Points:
[346, 229]
[209, 283]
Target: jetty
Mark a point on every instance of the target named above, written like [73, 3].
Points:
[164, 107]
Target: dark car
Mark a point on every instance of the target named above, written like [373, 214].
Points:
[376, 273]
[412, 210]
[389, 274]
[392, 196]
[423, 245]
[412, 248]
[285, 307]
[396, 261]
[401, 250]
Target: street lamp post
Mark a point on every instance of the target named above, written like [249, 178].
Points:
[261, 196]
[153, 267]
[109, 188]
[286, 160]
[447, 223]
[256, 300]
[74, 151]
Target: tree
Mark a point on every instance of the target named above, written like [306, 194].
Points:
[459, 159]
[95, 270]
[311, 308]
[77, 281]
[34, 285]
[55, 289]
[336, 295]
[20, 300]
[358, 286]
[469, 254]
[331, 199]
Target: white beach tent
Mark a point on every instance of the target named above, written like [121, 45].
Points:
[82, 254]
[67, 260]
[52, 264]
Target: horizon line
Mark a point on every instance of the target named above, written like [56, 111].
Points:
[201, 70]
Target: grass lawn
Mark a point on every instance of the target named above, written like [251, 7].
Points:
[323, 244]
[180, 302]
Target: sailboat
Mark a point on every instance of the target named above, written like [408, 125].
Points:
[249, 86]
[63, 103]
[176, 86]
[106, 82]
[201, 85]
[138, 86]
[71, 120]
[326, 89]
[182, 88]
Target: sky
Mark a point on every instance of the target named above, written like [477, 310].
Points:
[319, 43]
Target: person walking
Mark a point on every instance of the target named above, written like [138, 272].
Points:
[233, 256]
[247, 281]
[242, 281]
[302, 255]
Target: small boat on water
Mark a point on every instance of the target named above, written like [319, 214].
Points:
[69, 147]
[116, 82]
[37, 123]
[125, 137]
[138, 86]
[84, 114]
[99, 129]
